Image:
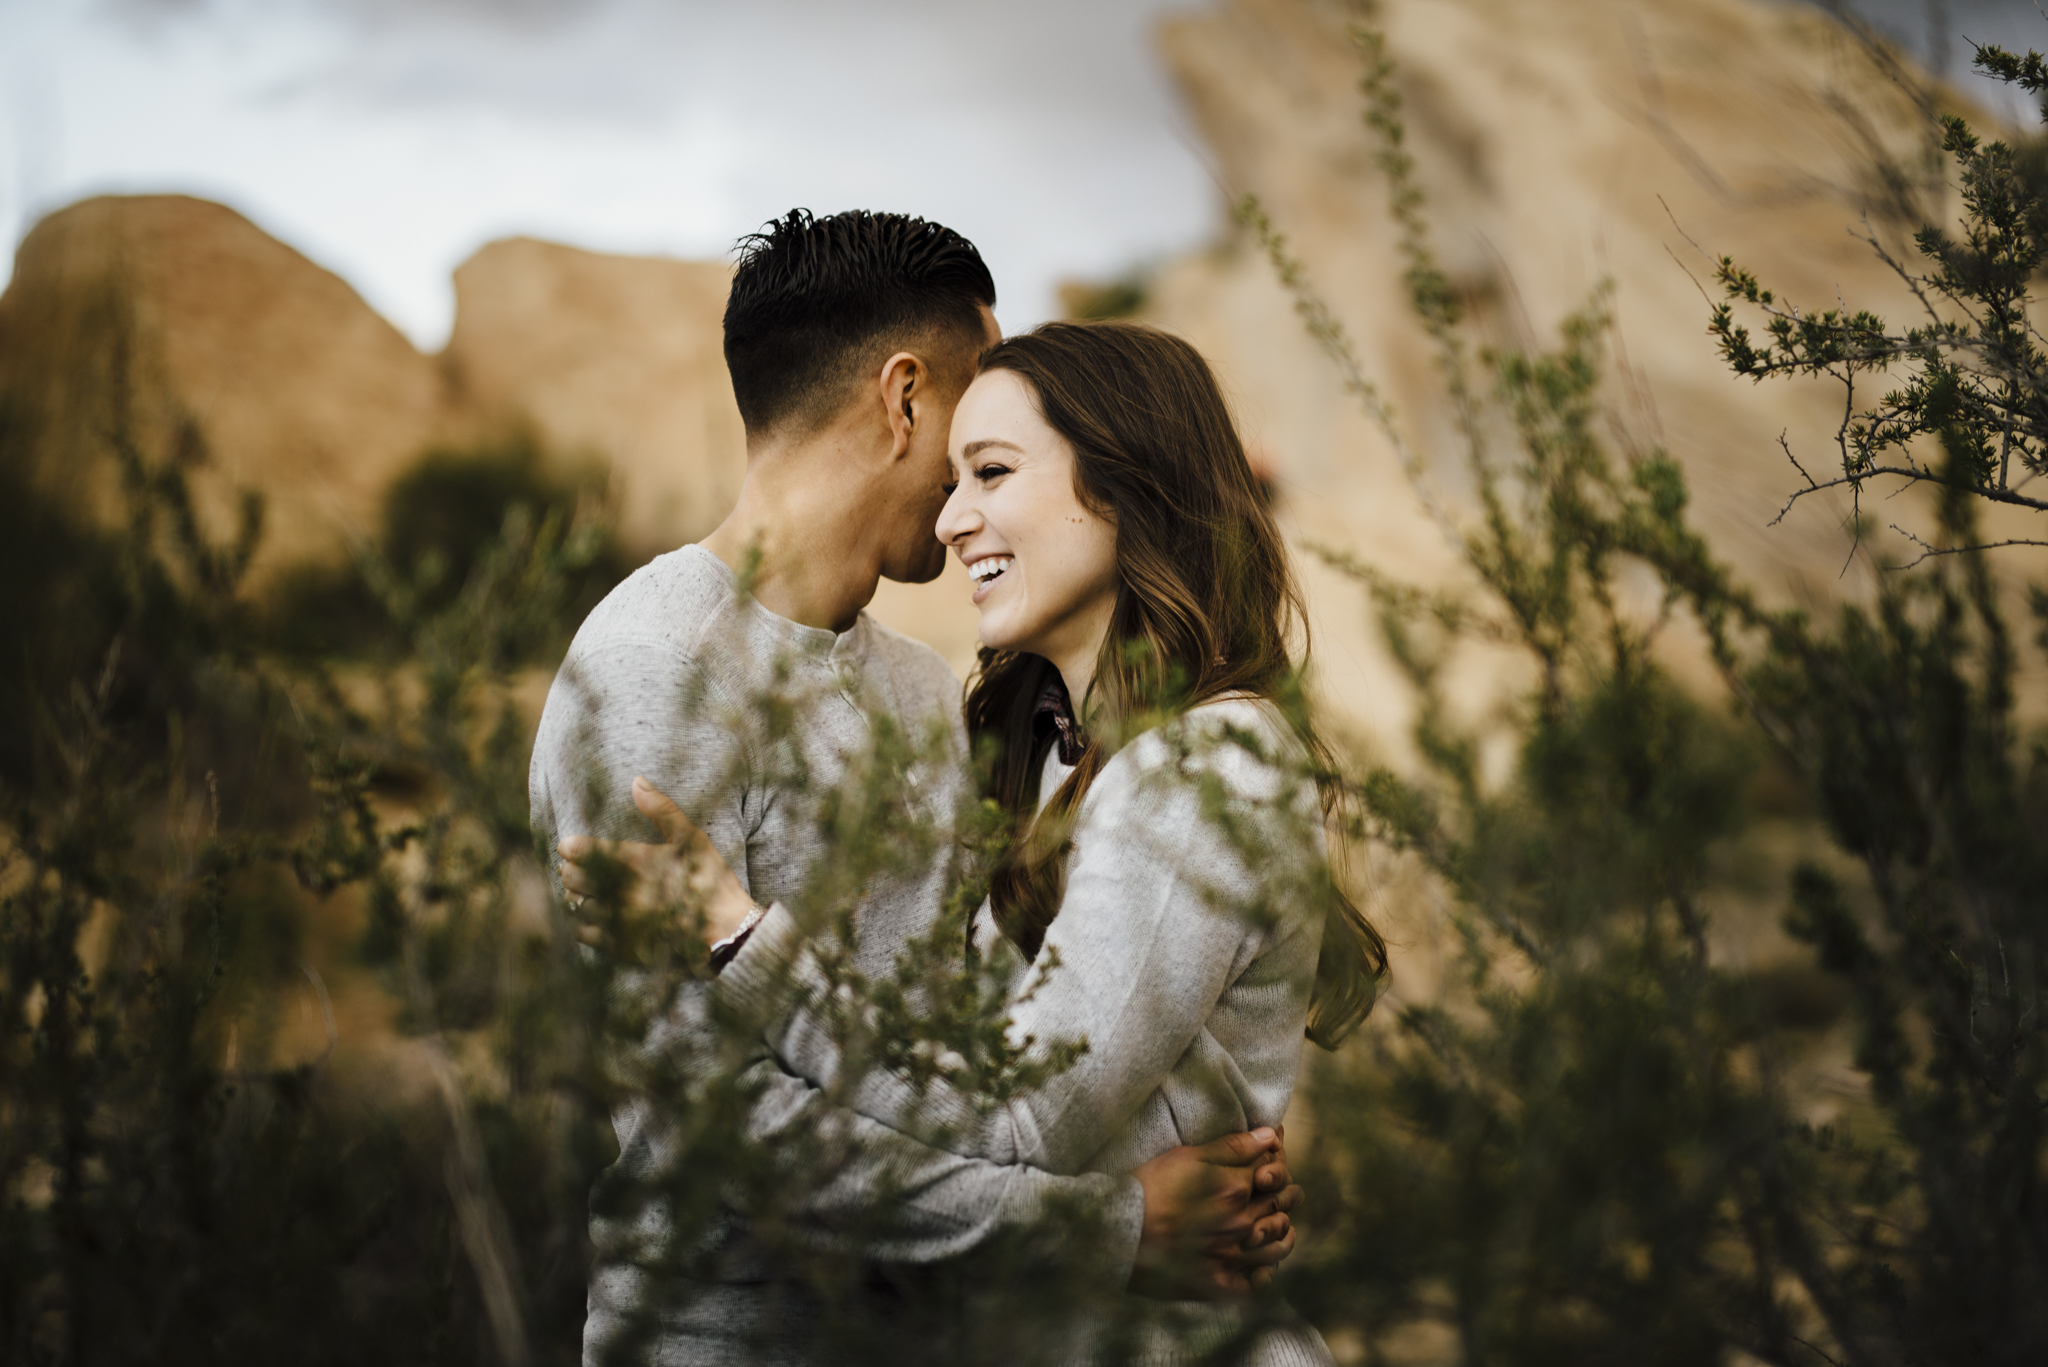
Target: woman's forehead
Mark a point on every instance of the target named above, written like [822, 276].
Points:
[998, 406]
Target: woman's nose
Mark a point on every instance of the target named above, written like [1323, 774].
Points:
[956, 520]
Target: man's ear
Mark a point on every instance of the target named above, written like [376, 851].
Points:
[904, 380]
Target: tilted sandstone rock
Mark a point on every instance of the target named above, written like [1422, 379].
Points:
[1561, 143]
[228, 350]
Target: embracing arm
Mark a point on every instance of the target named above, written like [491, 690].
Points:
[1147, 940]
[938, 1204]
[637, 708]
[1196, 1222]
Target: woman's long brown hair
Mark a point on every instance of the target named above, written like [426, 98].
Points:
[1206, 605]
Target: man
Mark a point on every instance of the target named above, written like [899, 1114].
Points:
[742, 677]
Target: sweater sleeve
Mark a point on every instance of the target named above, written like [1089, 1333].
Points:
[619, 719]
[1158, 918]
[632, 708]
[894, 1199]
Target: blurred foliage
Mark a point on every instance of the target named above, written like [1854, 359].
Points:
[1592, 1146]
[182, 803]
[1123, 297]
[232, 821]
[440, 519]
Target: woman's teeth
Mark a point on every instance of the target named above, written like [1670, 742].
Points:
[982, 571]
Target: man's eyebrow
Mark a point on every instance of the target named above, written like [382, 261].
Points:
[975, 448]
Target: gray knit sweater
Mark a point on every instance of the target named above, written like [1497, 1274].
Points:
[665, 679]
[1186, 941]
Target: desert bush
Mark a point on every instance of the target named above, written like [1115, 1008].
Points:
[185, 796]
[440, 519]
[1592, 1147]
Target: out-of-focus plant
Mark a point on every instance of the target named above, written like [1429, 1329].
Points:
[1122, 297]
[441, 518]
[1589, 1148]
[173, 820]
[203, 784]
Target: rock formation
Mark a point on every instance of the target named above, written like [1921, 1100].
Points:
[261, 371]
[225, 349]
[1561, 143]
[613, 358]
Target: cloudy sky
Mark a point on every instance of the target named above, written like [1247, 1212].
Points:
[387, 139]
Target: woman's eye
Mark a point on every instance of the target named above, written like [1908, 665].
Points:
[989, 472]
[948, 488]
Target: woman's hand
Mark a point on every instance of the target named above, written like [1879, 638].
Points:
[1216, 1218]
[633, 897]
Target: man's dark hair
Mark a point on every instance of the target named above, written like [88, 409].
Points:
[816, 302]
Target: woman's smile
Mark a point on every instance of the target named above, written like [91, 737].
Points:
[986, 570]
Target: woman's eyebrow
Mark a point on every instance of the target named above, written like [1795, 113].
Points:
[975, 448]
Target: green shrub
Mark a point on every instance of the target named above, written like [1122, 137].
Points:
[1592, 1148]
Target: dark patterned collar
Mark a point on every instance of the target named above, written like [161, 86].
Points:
[1055, 712]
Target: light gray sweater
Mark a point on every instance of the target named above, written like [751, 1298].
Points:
[665, 679]
[1187, 941]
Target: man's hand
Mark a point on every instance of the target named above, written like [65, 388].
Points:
[632, 897]
[1216, 1218]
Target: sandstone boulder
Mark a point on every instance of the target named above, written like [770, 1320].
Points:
[613, 359]
[178, 324]
[180, 327]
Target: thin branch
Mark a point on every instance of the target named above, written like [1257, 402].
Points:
[1926, 477]
[1684, 234]
[1811, 485]
[1804, 1344]
[1927, 551]
[1689, 275]
[1331, 335]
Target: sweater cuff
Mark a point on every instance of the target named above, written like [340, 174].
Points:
[758, 975]
[1123, 1224]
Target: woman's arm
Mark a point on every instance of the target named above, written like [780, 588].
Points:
[1210, 1222]
[1150, 932]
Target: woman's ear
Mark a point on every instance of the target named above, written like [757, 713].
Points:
[904, 380]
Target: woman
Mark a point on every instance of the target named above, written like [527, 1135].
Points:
[1166, 788]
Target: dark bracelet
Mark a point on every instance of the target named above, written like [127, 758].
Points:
[726, 950]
